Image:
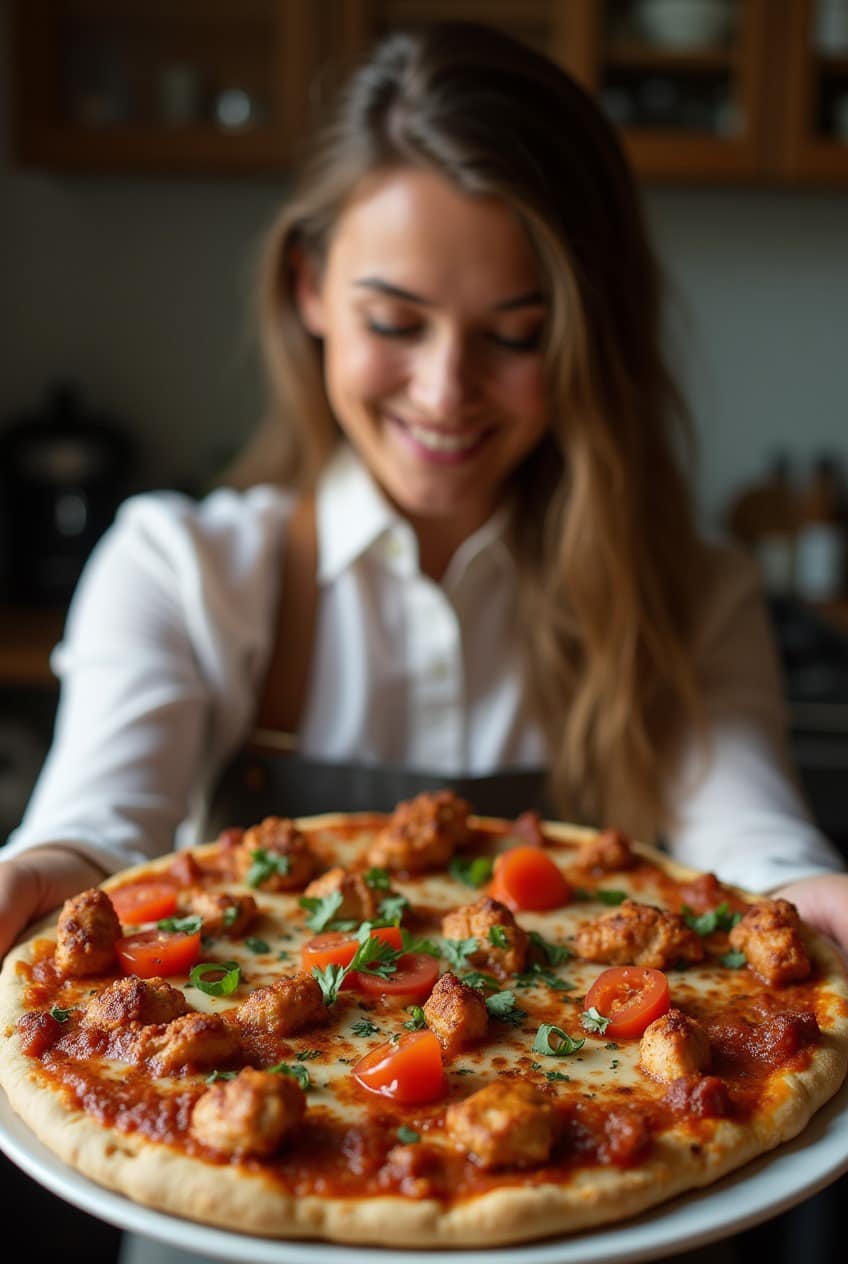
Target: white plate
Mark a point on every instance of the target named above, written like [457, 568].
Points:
[765, 1188]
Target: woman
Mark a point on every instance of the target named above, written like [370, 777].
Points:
[473, 559]
[477, 486]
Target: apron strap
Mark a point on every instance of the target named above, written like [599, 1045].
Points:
[284, 690]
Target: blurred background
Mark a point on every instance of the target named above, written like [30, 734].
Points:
[144, 146]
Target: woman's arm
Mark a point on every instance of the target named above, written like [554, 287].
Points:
[740, 811]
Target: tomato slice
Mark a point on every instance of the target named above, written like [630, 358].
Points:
[152, 952]
[631, 997]
[411, 983]
[338, 947]
[144, 902]
[526, 878]
[409, 1072]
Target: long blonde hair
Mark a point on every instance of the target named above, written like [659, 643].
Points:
[611, 567]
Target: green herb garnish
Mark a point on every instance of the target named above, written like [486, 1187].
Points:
[229, 973]
[555, 1042]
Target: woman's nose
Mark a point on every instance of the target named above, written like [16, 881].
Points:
[445, 377]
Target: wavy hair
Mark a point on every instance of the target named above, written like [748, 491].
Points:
[610, 563]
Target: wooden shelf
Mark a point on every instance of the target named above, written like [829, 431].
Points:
[27, 638]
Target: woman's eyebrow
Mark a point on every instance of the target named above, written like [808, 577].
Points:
[531, 298]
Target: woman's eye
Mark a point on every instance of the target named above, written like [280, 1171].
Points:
[391, 331]
[532, 342]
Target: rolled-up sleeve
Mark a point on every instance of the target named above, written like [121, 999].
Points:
[739, 810]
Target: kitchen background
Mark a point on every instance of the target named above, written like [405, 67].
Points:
[143, 149]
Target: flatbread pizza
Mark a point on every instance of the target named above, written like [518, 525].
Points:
[418, 1029]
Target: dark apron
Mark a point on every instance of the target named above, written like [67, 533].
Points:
[259, 782]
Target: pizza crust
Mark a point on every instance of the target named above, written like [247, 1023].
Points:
[235, 1198]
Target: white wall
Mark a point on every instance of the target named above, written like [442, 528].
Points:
[138, 289]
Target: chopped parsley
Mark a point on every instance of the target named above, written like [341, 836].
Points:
[610, 896]
[734, 960]
[180, 925]
[228, 977]
[266, 864]
[458, 950]
[296, 1072]
[257, 945]
[592, 1020]
[472, 871]
[321, 909]
[417, 1020]
[498, 936]
[306, 1055]
[378, 879]
[408, 1136]
[61, 1015]
[555, 954]
[502, 1006]
[555, 1042]
[719, 918]
[364, 1027]
[392, 908]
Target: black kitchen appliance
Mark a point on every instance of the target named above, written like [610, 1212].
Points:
[63, 471]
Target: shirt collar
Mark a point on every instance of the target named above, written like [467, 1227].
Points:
[353, 515]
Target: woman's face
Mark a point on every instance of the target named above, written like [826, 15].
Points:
[431, 312]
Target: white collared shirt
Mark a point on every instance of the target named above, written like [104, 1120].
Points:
[168, 638]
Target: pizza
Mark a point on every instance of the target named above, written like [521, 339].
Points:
[422, 1028]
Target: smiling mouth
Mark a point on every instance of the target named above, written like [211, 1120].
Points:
[449, 443]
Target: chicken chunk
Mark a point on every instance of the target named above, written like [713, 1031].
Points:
[284, 1007]
[674, 1045]
[250, 1115]
[639, 935]
[769, 934]
[505, 1124]
[417, 1171]
[132, 1000]
[88, 930]
[275, 856]
[501, 942]
[456, 1014]
[607, 852]
[221, 913]
[422, 834]
[360, 902]
[193, 1042]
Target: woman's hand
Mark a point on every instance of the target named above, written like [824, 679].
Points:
[36, 882]
[823, 902]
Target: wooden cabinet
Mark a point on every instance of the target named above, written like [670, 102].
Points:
[163, 85]
[214, 85]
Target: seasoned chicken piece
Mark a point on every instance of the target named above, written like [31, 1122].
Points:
[506, 1124]
[769, 934]
[288, 1005]
[193, 1042]
[637, 934]
[417, 1170]
[252, 1114]
[606, 852]
[185, 869]
[88, 930]
[132, 1000]
[422, 834]
[674, 1045]
[221, 913]
[456, 1013]
[275, 856]
[501, 942]
[360, 902]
